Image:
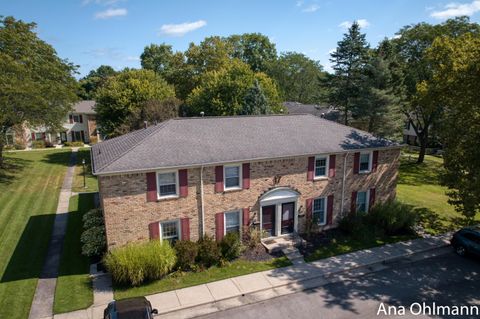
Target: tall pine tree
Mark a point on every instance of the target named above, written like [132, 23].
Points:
[255, 102]
[349, 61]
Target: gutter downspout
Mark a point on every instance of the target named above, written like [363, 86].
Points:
[343, 183]
[202, 206]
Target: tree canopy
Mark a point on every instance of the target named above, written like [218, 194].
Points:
[124, 94]
[94, 79]
[36, 86]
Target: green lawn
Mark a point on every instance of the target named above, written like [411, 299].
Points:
[419, 186]
[74, 290]
[29, 188]
[187, 279]
[90, 180]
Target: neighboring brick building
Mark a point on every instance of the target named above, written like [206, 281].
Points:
[185, 177]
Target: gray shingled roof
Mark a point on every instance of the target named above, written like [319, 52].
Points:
[324, 111]
[87, 106]
[186, 142]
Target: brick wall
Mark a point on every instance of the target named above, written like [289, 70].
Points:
[127, 213]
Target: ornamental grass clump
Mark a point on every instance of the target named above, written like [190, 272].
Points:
[136, 263]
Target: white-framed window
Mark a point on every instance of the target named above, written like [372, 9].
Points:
[232, 176]
[319, 210]
[170, 230]
[76, 118]
[362, 201]
[232, 222]
[321, 166]
[365, 164]
[167, 184]
[10, 138]
[38, 136]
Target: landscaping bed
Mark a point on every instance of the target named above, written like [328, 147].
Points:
[90, 180]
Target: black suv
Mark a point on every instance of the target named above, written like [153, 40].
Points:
[467, 241]
[131, 308]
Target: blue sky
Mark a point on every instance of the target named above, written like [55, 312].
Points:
[114, 32]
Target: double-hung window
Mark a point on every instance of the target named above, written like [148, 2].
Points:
[76, 118]
[170, 230]
[365, 163]
[233, 177]
[319, 212]
[362, 202]
[38, 136]
[321, 163]
[167, 184]
[232, 222]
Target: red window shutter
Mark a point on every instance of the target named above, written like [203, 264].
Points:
[374, 161]
[183, 181]
[372, 198]
[356, 163]
[44, 136]
[73, 136]
[81, 118]
[33, 136]
[70, 118]
[353, 204]
[219, 227]
[311, 167]
[219, 179]
[154, 229]
[185, 226]
[331, 166]
[308, 205]
[246, 175]
[82, 133]
[246, 217]
[151, 187]
[330, 210]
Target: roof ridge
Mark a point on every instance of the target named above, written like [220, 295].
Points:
[154, 130]
[234, 116]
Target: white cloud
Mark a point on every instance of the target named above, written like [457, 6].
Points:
[311, 8]
[363, 23]
[110, 13]
[457, 9]
[178, 30]
[101, 2]
[299, 3]
[132, 58]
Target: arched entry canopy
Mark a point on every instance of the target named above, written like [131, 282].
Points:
[278, 209]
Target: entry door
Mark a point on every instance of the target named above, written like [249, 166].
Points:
[287, 217]
[268, 219]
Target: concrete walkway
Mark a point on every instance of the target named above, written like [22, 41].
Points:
[42, 305]
[237, 291]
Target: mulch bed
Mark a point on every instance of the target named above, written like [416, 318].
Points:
[259, 253]
[316, 240]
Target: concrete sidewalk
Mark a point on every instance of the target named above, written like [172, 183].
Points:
[42, 304]
[236, 291]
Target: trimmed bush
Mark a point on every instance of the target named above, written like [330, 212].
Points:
[208, 252]
[93, 237]
[136, 263]
[187, 252]
[252, 237]
[74, 144]
[38, 144]
[19, 146]
[392, 217]
[231, 247]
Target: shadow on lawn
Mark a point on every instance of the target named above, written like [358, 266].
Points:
[11, 167]
[412, 173]
[59, 158]
[435, 223]
[28, 259]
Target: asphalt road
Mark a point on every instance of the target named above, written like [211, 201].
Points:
[447, 280]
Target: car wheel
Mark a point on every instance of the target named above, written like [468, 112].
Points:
[460, 250]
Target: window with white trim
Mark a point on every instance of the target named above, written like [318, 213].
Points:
[167, 184]
[365, 162]
[38, 136]
[319, 212]
[76, 118]
[362, 201]
[10, 138]
[232, 222]
[321, 164]
[170, 230]
[232, 177]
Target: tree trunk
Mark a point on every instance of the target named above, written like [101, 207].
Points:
[423, 138]
[1, 155]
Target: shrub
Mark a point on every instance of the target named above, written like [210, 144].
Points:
[231, 247]
[252, 237]
[392, 217]
[356, 225]
[48, 144]
[93, 237]
[38, 144]
[136, 263]
[208, 252]
[187, 252]
[73, 144]
[19, 146]
[9, 147]
[93, 140]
